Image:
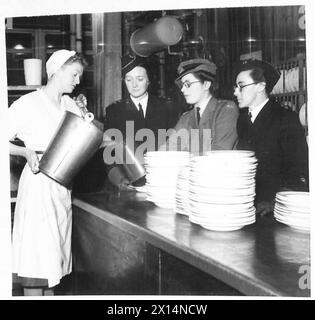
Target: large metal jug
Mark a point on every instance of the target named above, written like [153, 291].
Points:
[75, 142]
[128, 165]
[156, 36]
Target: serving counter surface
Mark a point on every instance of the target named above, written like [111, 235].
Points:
[266, 258]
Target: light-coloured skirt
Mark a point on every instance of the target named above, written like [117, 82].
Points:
[42, 228]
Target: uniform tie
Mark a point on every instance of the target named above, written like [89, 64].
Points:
[141, 111]
[250, 117]
[198, 115]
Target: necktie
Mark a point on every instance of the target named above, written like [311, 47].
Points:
[198, 115]
[141, 111]
[250, 117]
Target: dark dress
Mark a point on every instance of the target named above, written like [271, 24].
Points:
[278, 140]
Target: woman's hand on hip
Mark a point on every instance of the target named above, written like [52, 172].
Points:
[32, 160]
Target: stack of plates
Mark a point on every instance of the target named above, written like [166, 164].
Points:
[288, 81]
[182, 191]
[222, 190]
[293, 209]
[162, 169]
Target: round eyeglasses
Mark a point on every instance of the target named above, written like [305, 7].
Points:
[186, 84]
[242, 86]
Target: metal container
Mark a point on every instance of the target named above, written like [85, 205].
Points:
[74, 143]
[156, 36]
[128, 166]
[133, 169]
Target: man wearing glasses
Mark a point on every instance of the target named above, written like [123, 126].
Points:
[196, 79]
[272, 131]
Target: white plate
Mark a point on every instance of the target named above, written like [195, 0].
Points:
[224, 228]
[290, 215]
[226, 156]
[293, 207]
[295, 79]
[287, 75]
[236, 153]
[219, 219]
[280, 83]
[299, 222]
[231, 183]
[221, 192]
[284, 194]
[295, 226]
[230, 207]
[182, 211]
[223, 223]
[303, 115]
[293, 222]
[221, 181]
[228, 200]
[297, 219]
[292, 210]
[199, 219]
[213, 164]
[223, 215]
[226, 173]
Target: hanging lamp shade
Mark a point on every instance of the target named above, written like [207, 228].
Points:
[156, 36]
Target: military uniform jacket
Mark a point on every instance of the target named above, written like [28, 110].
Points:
[278, 140]
[220, 116]
[160, 114]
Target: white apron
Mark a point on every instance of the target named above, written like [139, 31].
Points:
[43, 215]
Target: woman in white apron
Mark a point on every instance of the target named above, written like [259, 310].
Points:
[43, 217]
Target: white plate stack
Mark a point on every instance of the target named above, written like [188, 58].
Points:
[162, 169]
[222, 190]
[293, 209]
[182, 191]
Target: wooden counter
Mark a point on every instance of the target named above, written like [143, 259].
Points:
[123, 244]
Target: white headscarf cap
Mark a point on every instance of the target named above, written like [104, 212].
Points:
[56, 61]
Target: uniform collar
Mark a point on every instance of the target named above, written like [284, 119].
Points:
[203, 105]
[255, 111]
[143, 100]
